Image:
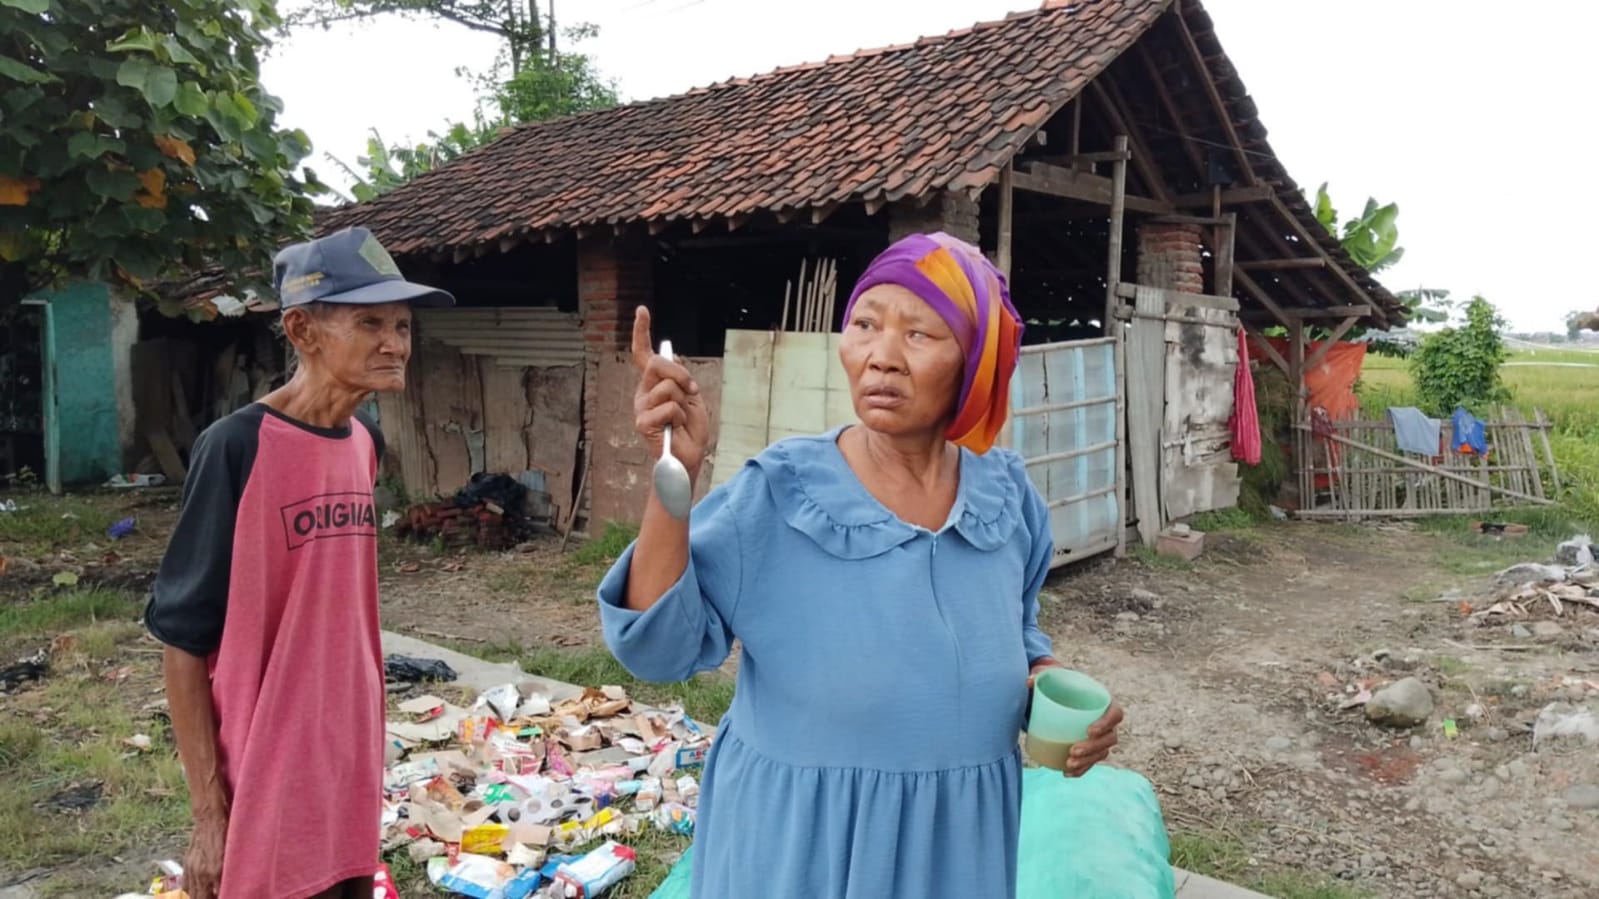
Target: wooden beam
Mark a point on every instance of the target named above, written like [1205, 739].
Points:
[1118, 213]
[1200, 169]
[1007, 211]
[1207, 220]
[1254, 193]
[1209, 84]
[1177, 297]
[1062, 182]
[1277, 265]
[1327, 345]
[1111, 99]
[1270, 351]
[1305, 235]
[1261, 296]
[1330, 311]
[1072, 159]
[1077, 125]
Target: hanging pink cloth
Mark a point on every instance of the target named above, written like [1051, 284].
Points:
[1245, 423]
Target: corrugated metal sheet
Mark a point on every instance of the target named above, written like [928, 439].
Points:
[514, 337]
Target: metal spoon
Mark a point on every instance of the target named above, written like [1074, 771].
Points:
[672, 485]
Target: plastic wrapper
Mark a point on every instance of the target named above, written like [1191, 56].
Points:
[595, 872]
[674, 817]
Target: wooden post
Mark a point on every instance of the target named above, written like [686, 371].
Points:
[1118, 200]
[1304, 449]
[1007, 210]
[1120, 349]
[1226, 238]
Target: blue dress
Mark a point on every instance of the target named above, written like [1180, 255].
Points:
[871, 747]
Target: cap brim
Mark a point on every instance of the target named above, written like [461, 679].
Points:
[392, 292]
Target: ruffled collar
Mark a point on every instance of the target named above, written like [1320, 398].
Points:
[820, 496]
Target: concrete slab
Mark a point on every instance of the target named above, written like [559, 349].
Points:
[1198, 886]
[481, 675]
[474, 672]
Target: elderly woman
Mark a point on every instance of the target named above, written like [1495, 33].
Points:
[883, 581]
[267, 598]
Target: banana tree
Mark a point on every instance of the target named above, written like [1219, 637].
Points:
[1372, 239]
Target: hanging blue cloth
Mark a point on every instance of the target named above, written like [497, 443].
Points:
[1471, 434]
[1414, 431]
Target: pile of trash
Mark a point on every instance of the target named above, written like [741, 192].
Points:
[526, 796]
[496, 799]
[1570, 583]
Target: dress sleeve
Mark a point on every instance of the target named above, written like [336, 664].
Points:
[690, 628]
[1036, 513]
[190, 599]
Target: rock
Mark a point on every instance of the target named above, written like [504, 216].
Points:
[1518, 769]
[1418, 742]
[526, 548]
[1174, 743]
[1582, 796]
[1405, 703]
[1520, 632]
[1576, 552]
[1520, 691]
[1546, 630]
[1475, 711]
[1558, 822]
[1559, 720]
[1452, 776]
[1142, 595]
[1490, 787]
[1496, 735]
[1128, 617]
[1279, 744]
[1530, 573]
[1470, 880]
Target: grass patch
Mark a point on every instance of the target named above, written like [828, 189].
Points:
[67, 731]
[1227, 858]
[1450, 666]
[604, 549]
[52, 613]
[1148, 556]
[1224, 521]
[47, 523]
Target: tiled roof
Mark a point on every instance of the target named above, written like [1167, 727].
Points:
[943, 112]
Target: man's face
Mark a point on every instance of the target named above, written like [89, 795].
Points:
[363, 348]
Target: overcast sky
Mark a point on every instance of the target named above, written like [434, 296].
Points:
[1472, 115]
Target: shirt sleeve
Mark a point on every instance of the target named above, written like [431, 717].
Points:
[1036, 514]
[190, 599]
[379, 445]
[689, 629]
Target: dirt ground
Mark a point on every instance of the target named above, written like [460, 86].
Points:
[1232, 671]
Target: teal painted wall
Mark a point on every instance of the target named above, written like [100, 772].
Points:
[81, 412]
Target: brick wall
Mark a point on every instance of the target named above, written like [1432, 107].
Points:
[1170, 256]
[614, 277]
[952, 213]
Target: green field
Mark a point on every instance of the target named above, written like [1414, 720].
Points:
[1557, 381]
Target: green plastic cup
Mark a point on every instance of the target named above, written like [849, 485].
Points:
[1065, 703]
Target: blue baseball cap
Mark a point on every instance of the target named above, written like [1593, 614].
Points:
[347, 266]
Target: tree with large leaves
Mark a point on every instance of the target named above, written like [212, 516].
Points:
[136, 141]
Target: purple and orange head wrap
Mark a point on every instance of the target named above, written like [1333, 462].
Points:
[968, 292]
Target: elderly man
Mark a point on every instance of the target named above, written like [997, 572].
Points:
[267, 597]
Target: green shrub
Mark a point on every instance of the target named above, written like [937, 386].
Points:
[1460, 366]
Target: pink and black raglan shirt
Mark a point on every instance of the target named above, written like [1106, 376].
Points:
[272, 576]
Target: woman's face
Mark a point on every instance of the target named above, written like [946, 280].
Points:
[363, 348]
[903, 361]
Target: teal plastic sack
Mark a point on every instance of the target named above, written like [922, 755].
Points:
[1099, 835]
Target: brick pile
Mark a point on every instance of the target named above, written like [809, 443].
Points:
[482, 525]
